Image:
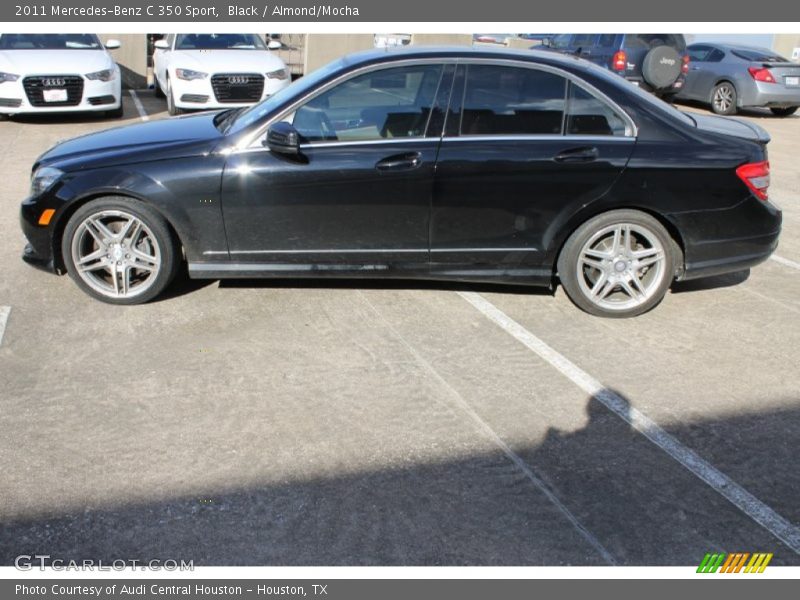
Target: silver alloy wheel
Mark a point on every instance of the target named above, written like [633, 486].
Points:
[116, 254]
[621, 266]
[723, 98]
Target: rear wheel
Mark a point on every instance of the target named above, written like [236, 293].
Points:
[618, 264]
[723, 98]
[784, 112]
[120, 250]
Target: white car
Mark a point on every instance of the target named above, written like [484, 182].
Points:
[218, 70]
[60, 72]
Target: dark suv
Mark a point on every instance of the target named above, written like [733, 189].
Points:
[657, 62]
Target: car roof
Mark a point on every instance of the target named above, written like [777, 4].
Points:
[419, 52]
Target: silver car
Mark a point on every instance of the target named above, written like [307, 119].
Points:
[731, 77]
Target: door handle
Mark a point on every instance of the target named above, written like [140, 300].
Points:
[583, 154]
[400, 162]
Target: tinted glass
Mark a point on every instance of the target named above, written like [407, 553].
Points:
[652, 40]
[587, 115]
[606, 40]
[219, 41]
[510, 100]
[385, 104]
[47, 41]
[715, 55]
[561, 42]
[757, 55]
[698, 53]
[582, 40]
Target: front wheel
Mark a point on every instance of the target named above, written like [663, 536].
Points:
[618, 264]
[120, 250]
[171, 108]
[784, 112]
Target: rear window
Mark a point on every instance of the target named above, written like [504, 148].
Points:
[652, 40]
[759, 56]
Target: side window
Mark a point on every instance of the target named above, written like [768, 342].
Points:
[588, 115]
[385, 104]
[510, 100]
[584, 40]
[606, 40]
[715, 55]
[698, 53]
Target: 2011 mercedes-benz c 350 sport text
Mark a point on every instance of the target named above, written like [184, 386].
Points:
[450, 164]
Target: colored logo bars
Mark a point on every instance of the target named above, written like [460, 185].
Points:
[735, 562]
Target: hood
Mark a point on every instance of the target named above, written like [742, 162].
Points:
[731, 126]
[54, 62]
[154, 140]
[226, 61]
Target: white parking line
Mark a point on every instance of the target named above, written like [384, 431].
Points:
[4, 312]
[785, 262]
[139, 107]
[492, 435]
[762, 514]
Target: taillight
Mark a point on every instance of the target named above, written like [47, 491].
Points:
[755, 177]
[685, 64]
[761, 74]
[619, 61]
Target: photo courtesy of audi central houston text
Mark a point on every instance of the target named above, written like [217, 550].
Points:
[406, 298]
[476, 165]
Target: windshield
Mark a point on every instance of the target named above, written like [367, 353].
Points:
[303, 85]
[758, 55]
[219, 41]
[49, 41]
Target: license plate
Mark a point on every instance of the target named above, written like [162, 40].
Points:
[54, 95]
[793, 81]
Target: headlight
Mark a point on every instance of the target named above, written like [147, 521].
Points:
[279, 74]
[8, 77]
[188, 74]
[104, 75]
[43, 178]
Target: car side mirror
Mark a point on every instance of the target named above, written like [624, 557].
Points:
[282, 138]
[274, 45]
[112, 44]
[161, 44]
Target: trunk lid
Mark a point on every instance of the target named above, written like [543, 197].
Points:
[732, 127]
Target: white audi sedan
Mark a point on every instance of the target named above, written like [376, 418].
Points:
[59, 72]
[217, 70]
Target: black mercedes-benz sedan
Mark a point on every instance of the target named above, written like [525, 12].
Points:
[436, 163]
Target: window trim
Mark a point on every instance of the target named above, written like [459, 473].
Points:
[631, 131]
[251, 141]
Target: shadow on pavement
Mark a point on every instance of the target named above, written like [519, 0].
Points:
[642, 506]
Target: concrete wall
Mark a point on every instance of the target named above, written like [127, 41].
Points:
[322, 48]
[785, 43]
[441, 39]
[131, 57]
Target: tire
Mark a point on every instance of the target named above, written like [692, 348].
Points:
[171, 108]
[127, 252]
[723, 98]
[661, 67]
[116, 113]
[4, 117]
[604, 278]
[784, 112]
[159, 93]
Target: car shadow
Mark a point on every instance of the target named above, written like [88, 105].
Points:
[711, 283]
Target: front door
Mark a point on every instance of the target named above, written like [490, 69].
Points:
[358, 196]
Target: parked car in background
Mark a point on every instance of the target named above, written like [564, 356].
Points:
[656, 62]
[730, 77]
[58, 72]
[217, 70]
[455, 164]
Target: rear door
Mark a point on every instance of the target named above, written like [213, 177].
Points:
[524, 148]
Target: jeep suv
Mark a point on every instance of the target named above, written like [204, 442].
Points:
[657, 62]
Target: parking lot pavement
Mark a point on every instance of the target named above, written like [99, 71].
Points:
[382, 423]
